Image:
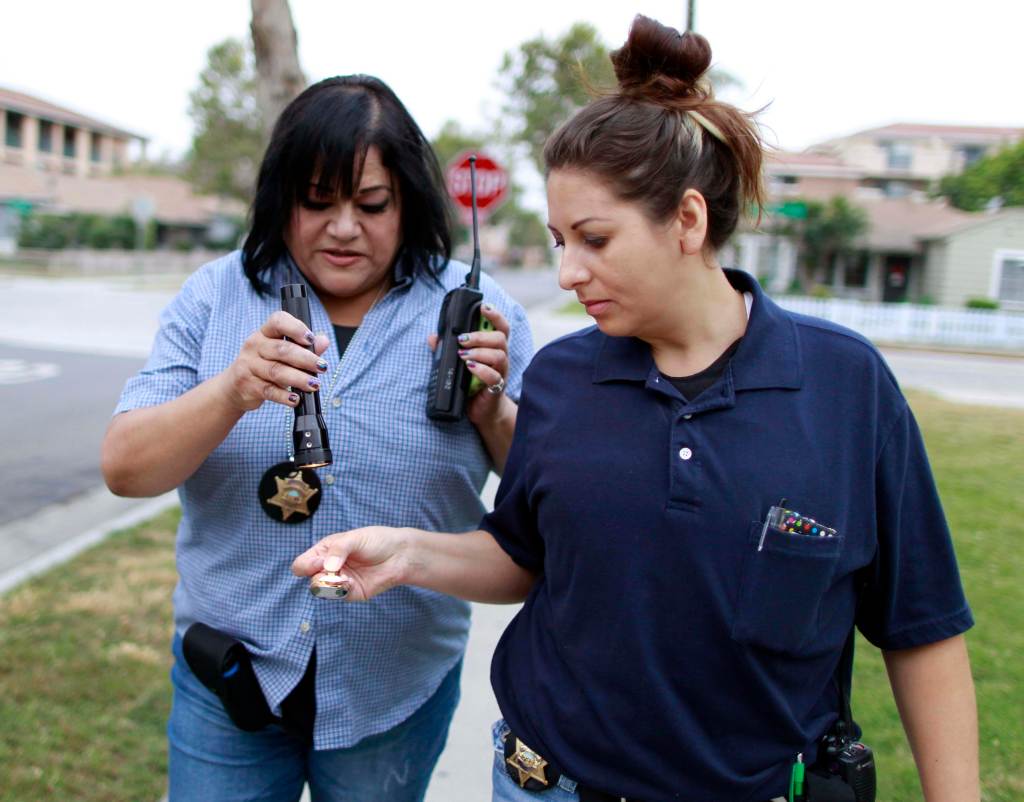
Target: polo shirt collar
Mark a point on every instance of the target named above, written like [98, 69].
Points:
[768, 356]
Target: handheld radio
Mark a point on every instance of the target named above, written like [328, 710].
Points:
[309, 432]
[451, 383]
[845, 770]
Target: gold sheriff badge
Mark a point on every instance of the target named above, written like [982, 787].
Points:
[527, 764]
[293, 495]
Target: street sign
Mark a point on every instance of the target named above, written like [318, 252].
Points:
[491, 184]
[794, 209]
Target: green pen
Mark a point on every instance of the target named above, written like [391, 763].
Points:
[796, 780]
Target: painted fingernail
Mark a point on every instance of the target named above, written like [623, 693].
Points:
[293, 398]
[463, 338]
[309, 337]
[463, 351]
[471, 363]
[488, 307]
[332, 563]
[314, 384]
[321, 364]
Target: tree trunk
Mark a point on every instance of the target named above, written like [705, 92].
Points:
[279, 77]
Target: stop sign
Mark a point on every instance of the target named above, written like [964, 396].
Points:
[491, 184]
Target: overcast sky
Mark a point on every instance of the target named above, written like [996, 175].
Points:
[826, 68]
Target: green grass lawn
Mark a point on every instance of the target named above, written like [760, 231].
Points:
[84, 691]
[84, 686]
[977, 454]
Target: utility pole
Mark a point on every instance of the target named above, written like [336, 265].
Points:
[689, 14]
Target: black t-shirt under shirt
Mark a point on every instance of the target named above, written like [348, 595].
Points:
[695, 384]
[344, 335]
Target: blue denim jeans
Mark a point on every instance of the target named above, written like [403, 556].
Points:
[505, 789]
[211, 759]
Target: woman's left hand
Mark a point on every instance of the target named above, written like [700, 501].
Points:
[486, 356]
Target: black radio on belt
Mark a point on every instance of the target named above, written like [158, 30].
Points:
[843, 757]
[845, 768]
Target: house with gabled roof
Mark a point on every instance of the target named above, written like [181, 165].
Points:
[915, 248]
[57, 160]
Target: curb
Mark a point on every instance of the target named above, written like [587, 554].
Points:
[54, 549]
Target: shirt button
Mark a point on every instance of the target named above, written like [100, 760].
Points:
[330, 479]
[335, 402]
[687, 416]
[685, 453]
[304, 626]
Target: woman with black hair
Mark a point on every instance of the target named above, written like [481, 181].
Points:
[350, 202]
[705, 495]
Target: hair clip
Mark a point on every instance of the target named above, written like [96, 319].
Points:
[708, 126]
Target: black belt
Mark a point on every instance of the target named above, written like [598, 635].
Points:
[534, 773]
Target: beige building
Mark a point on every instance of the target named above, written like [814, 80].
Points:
[915, 249]
[40, 135]
[901, 158]
[57, 161]
[981, 257]
[810, 176]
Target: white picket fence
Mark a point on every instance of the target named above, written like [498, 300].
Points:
[917, 325]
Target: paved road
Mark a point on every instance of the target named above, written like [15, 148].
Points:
[54, 408]
[965, 379]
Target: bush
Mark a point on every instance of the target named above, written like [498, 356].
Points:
[45, 231]
[77, 230]
[821, 291]
[982, 303]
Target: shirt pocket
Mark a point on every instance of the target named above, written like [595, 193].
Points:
[782, 584]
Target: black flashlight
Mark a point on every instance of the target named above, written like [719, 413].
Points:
[309, 432]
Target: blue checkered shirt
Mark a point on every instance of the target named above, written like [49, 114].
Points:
[376, 662]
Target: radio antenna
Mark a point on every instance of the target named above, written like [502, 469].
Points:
[473, 277]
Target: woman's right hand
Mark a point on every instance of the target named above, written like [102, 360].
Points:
[268, 366]
[372, 559]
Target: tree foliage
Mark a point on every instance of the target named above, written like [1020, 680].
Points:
[998, 176]
[227, 140]
[546, 80]
[828, 231]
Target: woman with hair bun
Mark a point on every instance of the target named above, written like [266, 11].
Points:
[705, 495]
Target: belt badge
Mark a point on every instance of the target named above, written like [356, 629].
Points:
[528, 764]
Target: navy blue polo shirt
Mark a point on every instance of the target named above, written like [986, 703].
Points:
[662, 654]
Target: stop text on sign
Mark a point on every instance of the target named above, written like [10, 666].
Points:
[491, 183]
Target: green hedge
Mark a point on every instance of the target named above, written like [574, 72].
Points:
[77, 230]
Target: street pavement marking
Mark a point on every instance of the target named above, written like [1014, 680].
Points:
[21, 371]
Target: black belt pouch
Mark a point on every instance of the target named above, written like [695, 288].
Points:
[223, 665]
[825, 787]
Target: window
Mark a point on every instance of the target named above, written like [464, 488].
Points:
[896, 189]
[855, 269]
[898, 155]
[46, 136]
[69, 141]
[1010, 276]
[971, 153]
[94, 146]
[13, 136]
